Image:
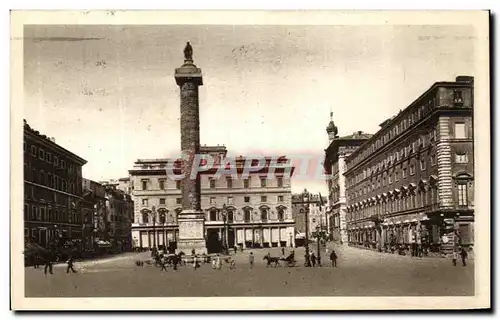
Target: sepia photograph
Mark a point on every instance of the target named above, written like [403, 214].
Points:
[312, 159]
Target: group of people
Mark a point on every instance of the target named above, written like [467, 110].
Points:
[48, 263]
[313, 260]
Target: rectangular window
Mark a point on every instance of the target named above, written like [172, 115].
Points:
[178, 184]
[263, 198]
[162, 200]
[56, 161]
[433, 160]
[212, 200]
[247, 199]
[41, 154]
[280, 199]
[178, 200]
[460, 131]
[144, 202]
[461, 158]
[280, 182]
[161, 182]
[462, 194]
[263, 182]
[49, 157]
[212, 183]
[63, 164]
[229, 182]
[246, 183]
[144, 184]
[422, 165]
[396, 176]
[230, 200]
[33, 151]
[42, 214]
[412, 169]
[404, 172]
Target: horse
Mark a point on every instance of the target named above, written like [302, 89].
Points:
[270, 260]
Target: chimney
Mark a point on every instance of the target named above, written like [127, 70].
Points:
[53, 139]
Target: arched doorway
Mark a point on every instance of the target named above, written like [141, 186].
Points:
[213, 241]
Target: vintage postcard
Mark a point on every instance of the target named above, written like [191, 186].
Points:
[250, 160]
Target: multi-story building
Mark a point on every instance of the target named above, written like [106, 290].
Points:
[317, 213]
[335, 164]
[93, 208]
[250, 212]
[413, 181]
[52, 190]
[118, 217]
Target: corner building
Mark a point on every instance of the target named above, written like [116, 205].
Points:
[413, 181]
[249, 213]
[52, 190]
[335, 165]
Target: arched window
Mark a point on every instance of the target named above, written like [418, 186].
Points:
[281, 214]
[247, 214]
[230, 216]
[163, 216]
[263, 214]
[213, 215]
[145, 217]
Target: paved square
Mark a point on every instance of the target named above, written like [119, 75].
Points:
[359, 273]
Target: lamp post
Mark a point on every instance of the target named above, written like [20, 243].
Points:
[318, 238]
[154, 227]
[225, 233]
[305, 200]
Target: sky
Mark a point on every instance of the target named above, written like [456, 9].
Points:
[108, 93]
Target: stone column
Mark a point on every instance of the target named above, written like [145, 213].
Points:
[191, 220]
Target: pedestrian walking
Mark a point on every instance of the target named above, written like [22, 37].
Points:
[195, 262]
[307, 260]
[175, 261]
[454, 258]
[218, 263]
[333, 258]
[163, 263]
[282, 251]
[251, 259]
[48, 264]
[313, 259]
[70, 262]
[463, 255]
[193, 252]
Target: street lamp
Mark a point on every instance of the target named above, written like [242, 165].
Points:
[305, 200]
[225, 233]
[154, 227]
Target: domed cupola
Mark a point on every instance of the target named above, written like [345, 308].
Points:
[332, 129]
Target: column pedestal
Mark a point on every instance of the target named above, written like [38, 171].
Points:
[191, 232]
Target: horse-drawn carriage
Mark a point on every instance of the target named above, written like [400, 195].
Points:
[289, 261]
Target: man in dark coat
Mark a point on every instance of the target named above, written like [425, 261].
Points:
[333, 258]
[48, 262]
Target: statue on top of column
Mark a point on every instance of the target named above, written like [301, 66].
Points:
[188, 52]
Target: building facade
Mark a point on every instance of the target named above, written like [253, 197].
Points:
[335, 166]
[93, 212]
[252, 212]
[118, 217]
[413, 181]
[52, 190]
[317, 213]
